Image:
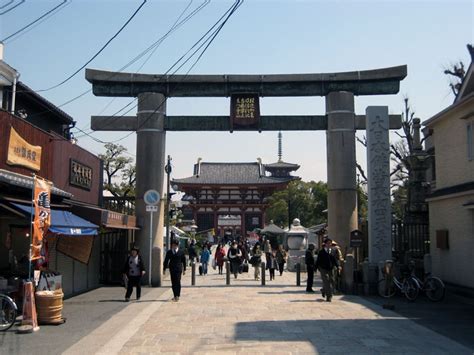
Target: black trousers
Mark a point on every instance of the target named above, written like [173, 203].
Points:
[272, 273]
[134, 281]
[280, 267]
[309, 283]
[176, 283]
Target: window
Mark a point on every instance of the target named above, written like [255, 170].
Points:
[470, 140]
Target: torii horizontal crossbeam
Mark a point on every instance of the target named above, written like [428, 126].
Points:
[222, 123]
[367, 82]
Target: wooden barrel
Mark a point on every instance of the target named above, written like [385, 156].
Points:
[49, 305]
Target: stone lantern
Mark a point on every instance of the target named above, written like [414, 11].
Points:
[296, 241]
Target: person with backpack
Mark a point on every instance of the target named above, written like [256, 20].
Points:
[235, 256]
[256, 260]
[205, 256]
[133, 270]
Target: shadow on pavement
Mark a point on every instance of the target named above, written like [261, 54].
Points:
[337, 336]
[452, 318]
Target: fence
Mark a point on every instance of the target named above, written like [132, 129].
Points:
[410, 239]
[125, 205]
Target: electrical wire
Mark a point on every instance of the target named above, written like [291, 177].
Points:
[100, 50]
[176, 62]
[155, 46]
[33, 22]
[7, 4]
[233, 8]
[158, 42]
[12, 8]
[39, 22]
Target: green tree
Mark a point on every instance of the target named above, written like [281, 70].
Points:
[304, 200]
[119, 170]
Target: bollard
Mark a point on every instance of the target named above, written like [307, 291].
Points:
[263, 273]
[298, 274]
[227, 273]
[193, 273]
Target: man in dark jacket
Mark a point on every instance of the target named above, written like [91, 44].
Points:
[325, 263]
[309, 261]
[176, 261]
[133, 270]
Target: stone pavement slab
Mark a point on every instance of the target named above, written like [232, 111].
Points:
[279, 318]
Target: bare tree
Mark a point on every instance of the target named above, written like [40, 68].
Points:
[119, 171]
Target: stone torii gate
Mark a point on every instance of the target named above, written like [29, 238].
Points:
[340, 122]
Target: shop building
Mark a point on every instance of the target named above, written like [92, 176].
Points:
[86, 243]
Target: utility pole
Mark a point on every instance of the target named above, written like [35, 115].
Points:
[168, 199]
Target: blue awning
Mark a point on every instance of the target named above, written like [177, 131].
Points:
[65, 222]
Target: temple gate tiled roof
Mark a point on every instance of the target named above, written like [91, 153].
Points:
[231, 174]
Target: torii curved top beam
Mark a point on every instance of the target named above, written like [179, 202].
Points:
[368, 82]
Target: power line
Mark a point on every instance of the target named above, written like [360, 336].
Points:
[176, 62]
[158, 42]
[156, 45]
[39, 22]
[12, 8]
[8, 3]
[232, 9]
[33, 22]
[100, 50]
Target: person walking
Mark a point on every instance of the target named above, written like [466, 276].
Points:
[267, 248]
[234, 255]
[219, 257]
[205, 256]
[272, 264]
[337, 253]
[281, 257]
[325, 263]
[133, 270]
[192, 252]
[176, 261]
[256, 260]
[309, 261]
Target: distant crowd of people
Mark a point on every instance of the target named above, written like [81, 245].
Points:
[328, 260]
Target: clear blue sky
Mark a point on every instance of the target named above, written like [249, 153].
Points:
[263, 37]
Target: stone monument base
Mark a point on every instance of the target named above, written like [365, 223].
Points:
[295, 257]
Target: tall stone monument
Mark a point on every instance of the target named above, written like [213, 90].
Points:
[378, 164]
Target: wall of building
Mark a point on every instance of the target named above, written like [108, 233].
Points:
[32, 135]
[450, 142]
[453, 265]
[63, 152]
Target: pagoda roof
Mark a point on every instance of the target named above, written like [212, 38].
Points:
[281, 164]
[231, 174]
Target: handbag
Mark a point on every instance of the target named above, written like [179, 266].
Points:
[214, 264]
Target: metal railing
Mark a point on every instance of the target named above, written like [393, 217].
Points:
[125, 205]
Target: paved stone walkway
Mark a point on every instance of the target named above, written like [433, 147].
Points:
[278, 318]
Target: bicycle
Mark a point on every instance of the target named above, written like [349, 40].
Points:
[387, 287]
[432, 286]
[8, 312]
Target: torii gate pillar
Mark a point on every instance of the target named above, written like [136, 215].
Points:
[151, 143]
[341, 167]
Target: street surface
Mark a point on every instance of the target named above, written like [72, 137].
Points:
[245, 317]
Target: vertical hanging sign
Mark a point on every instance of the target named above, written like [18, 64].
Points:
[244, 112]
[42, 219]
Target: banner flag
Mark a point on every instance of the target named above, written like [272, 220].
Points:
[42, 219]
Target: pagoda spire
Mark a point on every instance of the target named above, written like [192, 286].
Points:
[280, 148]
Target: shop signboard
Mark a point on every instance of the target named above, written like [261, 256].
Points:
[22, 153]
